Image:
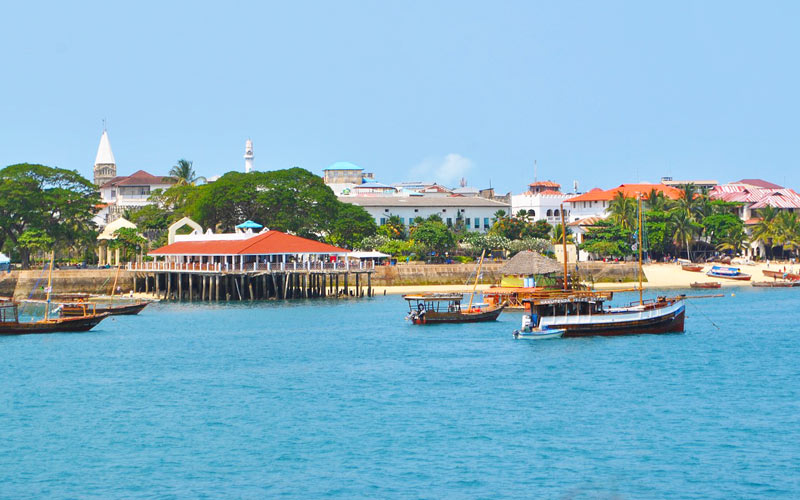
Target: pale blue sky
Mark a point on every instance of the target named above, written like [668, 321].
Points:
[602, 92]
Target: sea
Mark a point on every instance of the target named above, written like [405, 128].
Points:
[346, 399]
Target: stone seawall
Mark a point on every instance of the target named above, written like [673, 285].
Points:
[460, 274]
[22, 284]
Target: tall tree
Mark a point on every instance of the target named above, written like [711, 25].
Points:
[764, 231]
[59, 202]
[622, 211]
[684, 229]
[183, 172]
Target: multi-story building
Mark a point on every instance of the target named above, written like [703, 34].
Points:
[542, 201]
[343, 176]
[595, 203]
[476, 213]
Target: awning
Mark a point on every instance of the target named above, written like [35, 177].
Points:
[248, 224]
[368, 255]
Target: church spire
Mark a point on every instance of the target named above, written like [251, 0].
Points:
[105, 167]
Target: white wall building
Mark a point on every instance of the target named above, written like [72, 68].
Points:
[477, 213]
[542, 201]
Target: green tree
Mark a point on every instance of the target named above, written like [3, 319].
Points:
[657, 201]
[719, 227]
[433, 236]
[36, 241]
[59, 202]
[541, 229]
[184, 173]
[350, 226]
[608, 239]
[684, 229]
[129, 241]
[765, 230]
[787, 231]
[558, 234]
[622, 211]
[393, 228]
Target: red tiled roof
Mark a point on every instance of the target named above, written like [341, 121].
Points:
[629, 191]
[759, 197]
[752, 221]
[548, 184]
[138, 178]
[585, 222]
[267, 243]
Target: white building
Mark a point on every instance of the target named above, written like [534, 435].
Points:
[343, 176]
[542, 201]
[476, 213]
[119, 193]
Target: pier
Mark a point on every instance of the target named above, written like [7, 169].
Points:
[215, 281]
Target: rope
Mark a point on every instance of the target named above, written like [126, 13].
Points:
[704, 315]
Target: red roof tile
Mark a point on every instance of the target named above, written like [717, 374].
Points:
[548, 184]
[629, 191]
[267, 243]
[139, 178]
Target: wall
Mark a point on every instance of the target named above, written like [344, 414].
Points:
[22, 284]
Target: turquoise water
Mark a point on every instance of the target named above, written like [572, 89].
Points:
[346, 400]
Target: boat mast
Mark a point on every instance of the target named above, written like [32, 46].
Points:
[564, 243]
[475, 285]
[114, 286]
[49, 285]
[641, 299]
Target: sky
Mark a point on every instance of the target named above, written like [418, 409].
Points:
[601, 93]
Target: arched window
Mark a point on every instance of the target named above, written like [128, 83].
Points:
[556, 213]
[531, 213]
[549, 213]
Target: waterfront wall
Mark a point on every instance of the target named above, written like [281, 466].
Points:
[22, 284]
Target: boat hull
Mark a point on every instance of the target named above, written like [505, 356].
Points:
[130, 309]
[76, 324]
[539, 335]
[775, 284]
[781, 275]
[433, 318]
[668, 319]
[691, 268]
[706, 285]
[738, 277]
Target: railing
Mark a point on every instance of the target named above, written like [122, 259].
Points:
[251, 266]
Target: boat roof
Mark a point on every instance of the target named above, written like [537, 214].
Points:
[435, 296]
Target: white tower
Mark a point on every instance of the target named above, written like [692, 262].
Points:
[105, 167]
[248, 156]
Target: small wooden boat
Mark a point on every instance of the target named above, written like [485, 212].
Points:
[695, 268]
[82, 308]
[11, 325]
[710, 284]
[728, 273]
[539, 334]
[775, 284]
[432, 308]
[781, 275]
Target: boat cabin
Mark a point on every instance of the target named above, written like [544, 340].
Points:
[435, 302]
[583, 305]
[8, 312]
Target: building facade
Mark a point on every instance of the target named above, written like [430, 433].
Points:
[476, 213]
[105, 166]
[542, 201]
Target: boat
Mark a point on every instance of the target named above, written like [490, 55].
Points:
[709, 284]
[583, 314]
[775, 284]
[513, 297]
[11, 325]
[432, 308]
[727, 272]
[538, 334]
[81, 305]
[695, 268]
[781, 275]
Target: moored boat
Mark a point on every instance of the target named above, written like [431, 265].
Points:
[11, 325]
[538, 334]
[781, 275]
[432, 308]
[695, 268]
[775, 284]
[709, 284]
[729, 273]
[82, 308]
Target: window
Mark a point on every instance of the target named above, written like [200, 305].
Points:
[549, 213]
[531, 213]
[385, 209]
[449, 222]
[444, 210]
[416, 210]
[383, 221]
[477, 223]
[469, 222]
[403, 221]
[486, 223]
[556, 213]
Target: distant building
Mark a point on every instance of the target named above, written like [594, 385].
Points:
[132, 191]
[699, 184]
[595, 202]
[476, 213]
[248, 156]
[752, 195]
[343, 176]
[105, 167]
[542, 201]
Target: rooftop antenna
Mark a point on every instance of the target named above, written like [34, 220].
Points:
[535, 171]
[104, 125]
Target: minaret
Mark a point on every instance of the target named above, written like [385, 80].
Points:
[105, 168]
[248, 156]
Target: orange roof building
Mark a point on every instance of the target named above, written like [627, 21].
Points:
[594, 203]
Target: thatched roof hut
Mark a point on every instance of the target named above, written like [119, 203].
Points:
[529, 263]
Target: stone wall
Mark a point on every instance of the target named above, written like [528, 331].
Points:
[21, 284]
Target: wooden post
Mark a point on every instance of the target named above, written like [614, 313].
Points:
[203, 288]
[358, 285]
[157, 278]
[346, 287]
[146, 283]
[180, 286]
[169, 284]
[369, 284]
[216, 284]
[191, 282]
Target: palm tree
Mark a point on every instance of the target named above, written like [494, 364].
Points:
[787, 231]
[689, 200]
[657, 201]
[622, 211]
[184, 172]
[764, 231]
[732, 242]
[558, 235]
[684, 228]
